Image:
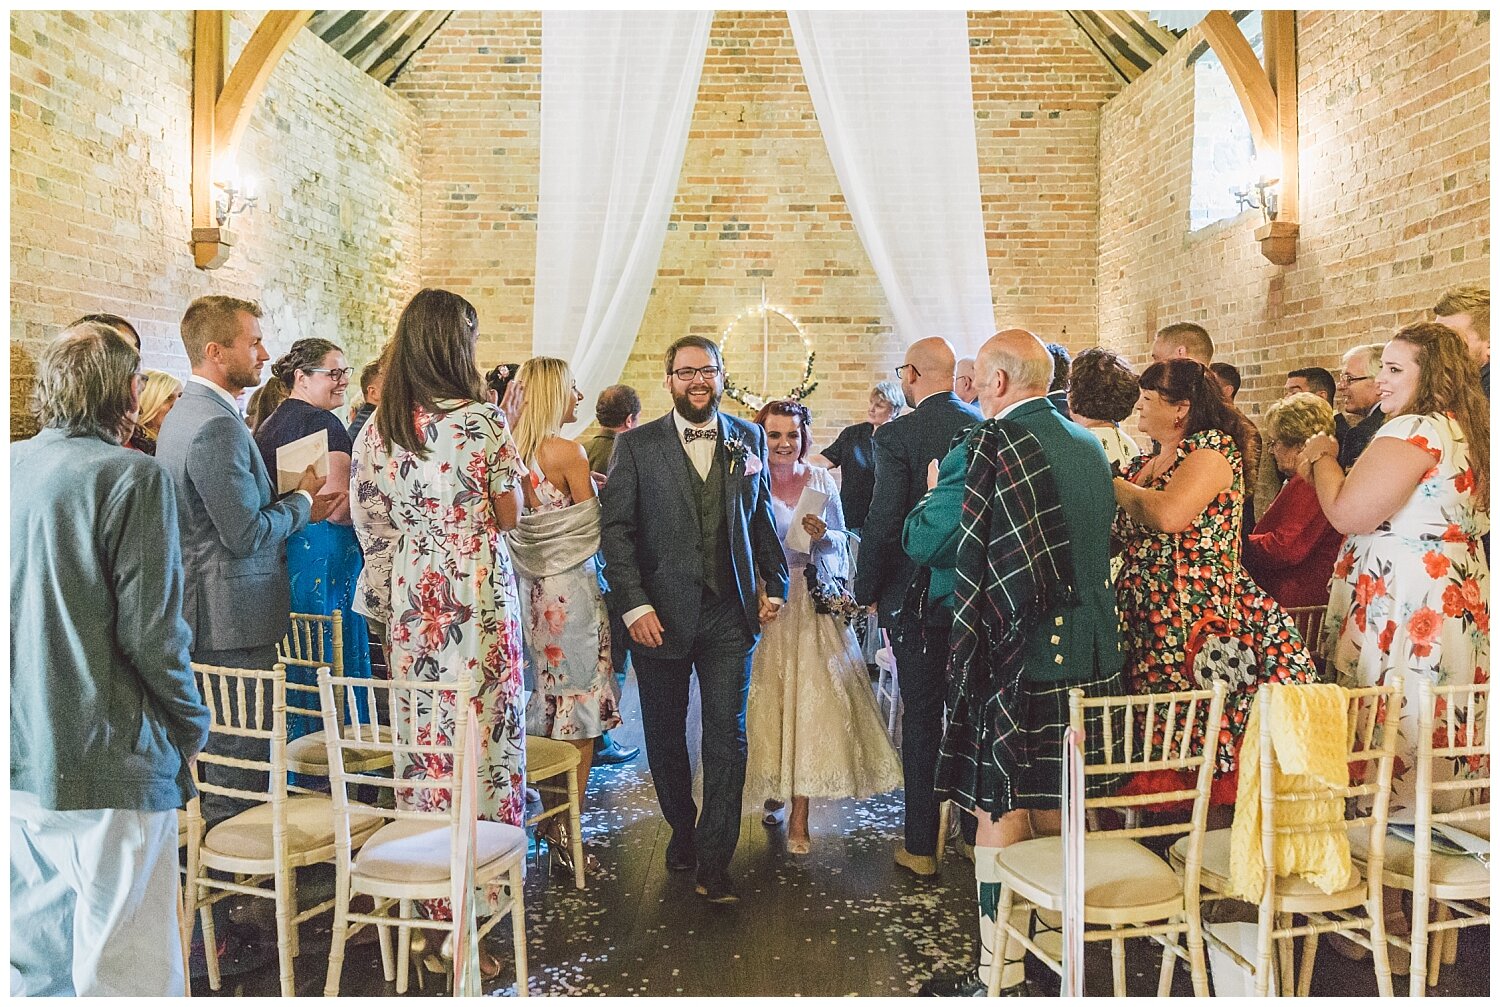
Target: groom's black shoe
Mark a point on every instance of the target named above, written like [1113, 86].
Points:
[717, 889]
[681, 856]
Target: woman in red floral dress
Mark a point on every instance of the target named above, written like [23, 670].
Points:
[436, 480]
[1411, 586]
[1179, 521]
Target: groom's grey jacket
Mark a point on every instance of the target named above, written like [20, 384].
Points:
[652, 545]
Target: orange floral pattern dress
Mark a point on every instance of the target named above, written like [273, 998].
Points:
[1413, 595]
[1168, 581]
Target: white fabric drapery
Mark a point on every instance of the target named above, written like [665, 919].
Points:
[618, 89]
[895, 103]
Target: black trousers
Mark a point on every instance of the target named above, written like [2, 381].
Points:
[720, 656]
[921, 674]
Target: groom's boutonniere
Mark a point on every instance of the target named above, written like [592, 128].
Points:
[739, 454]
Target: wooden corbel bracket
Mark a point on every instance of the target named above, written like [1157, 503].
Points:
[222, 107]
[1268, 95]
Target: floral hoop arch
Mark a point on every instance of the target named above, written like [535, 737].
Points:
[750, 398]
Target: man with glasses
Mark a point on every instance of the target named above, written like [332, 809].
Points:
[1361, 401]
[904, 448]
[694, 569]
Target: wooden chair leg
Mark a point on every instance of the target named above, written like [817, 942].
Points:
[1117, 961]
[285, 932]
[339, 935]
[1263, 950]
[1309, 957]
[1197, 962]
[291, 888]
[403, 948]
[1001, 939]
[575, 828]
[1437, 942]
[383, 934]
[1379, 950]
[1421, 957]
[210, 945]
[518, 929]
[1286, 976]
[1450, 941]
[1168, 966]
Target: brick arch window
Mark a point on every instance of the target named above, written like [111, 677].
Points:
[1222, 149]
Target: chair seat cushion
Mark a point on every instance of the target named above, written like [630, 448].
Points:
[411, 849]
[1400, 860]
[547, 757]
[309, 826]
[309, 754]
[1118, 873]
[1216, 868]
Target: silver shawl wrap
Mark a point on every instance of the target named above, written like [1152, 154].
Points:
[552, 542]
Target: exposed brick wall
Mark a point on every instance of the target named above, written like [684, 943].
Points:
[758, 200]
[1394, 120]
[101, 126]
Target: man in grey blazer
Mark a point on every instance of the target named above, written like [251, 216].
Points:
[694, 569]
[237, 597]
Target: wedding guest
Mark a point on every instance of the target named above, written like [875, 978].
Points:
[1002, 753]
[1292, 549]
[904, 448]
[617, 410]
[503, 390]
[434, 545]
[159, 393]
[1102, 392]
[263, 402]
[128, 434]
[1229, 378]
[233, 529]
[1466, 310]
[323, 559]
[1411, 585]
[853, 452]
[370, 381]
[1179, 522]
[963, 380]
[1361, 402]
[104, 712]
[1312, 379]
[813, 726]
[555, 546]
[695, 571]
[1062, 363]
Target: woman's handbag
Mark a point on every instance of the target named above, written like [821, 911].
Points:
[1213, 653]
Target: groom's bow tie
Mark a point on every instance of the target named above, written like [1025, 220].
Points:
[708, 433]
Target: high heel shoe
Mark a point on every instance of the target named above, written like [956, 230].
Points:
[561, 848]
[441, 963]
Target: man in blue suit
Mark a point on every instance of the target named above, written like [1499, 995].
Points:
[237, 598]
[904, 448]
[694, 569]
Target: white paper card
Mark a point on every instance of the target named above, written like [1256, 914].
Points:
[293, 459]
[812, 502]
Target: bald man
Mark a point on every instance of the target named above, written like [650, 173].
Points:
[1070, 645]
[904, 448]
[963, 380]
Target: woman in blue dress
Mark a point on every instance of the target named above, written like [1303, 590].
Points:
[323, 559]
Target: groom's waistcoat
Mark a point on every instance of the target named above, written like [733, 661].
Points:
[713, 527]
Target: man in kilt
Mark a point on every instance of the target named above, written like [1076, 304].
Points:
[1016, 528]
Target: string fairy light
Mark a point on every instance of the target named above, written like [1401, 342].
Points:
[764, 311]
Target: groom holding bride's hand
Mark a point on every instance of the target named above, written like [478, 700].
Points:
[694, 568]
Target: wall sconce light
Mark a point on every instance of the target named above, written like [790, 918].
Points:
[1262, 192]
[235, 198]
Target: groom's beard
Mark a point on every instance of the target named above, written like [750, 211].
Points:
[692, 413]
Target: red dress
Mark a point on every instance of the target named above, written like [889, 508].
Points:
[1293, 548]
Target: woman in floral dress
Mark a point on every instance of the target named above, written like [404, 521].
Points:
[1411, 585]
[1179, 520]
[436, 480]
[575, 697]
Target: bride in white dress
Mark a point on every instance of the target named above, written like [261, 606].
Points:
[813, 726]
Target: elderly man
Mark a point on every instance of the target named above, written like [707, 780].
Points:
[105, 715]
[1361, 401]
[1052, 582]
[233, 528]
[1466, 310]
[963, 380]
[904, 448]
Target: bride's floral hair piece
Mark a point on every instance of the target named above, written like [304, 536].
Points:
[798, 412]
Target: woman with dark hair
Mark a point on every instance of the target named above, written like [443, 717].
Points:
[1411, 585]
[813, 727]
[1102, 391]
[1180, 516]
[436, 484]
[323, 559]
[853, 452]
[264, 401]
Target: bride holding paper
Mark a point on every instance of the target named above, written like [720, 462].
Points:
[811, 720]
[323, 560]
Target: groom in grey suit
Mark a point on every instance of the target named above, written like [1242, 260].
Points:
[237, 598]
[694, 569]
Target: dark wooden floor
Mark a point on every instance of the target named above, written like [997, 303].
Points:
[842, 920]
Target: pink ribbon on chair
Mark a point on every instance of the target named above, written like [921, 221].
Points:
[468, 785]
[1073, 827]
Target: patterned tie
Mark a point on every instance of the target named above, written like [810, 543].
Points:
[708, 433]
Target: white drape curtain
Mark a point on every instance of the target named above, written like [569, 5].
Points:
[618, 90]
[894, 100]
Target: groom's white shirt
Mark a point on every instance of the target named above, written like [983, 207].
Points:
[701, 453]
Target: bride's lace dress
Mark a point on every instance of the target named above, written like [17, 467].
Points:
[813, 726]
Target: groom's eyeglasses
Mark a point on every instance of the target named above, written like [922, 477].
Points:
[688, 373]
